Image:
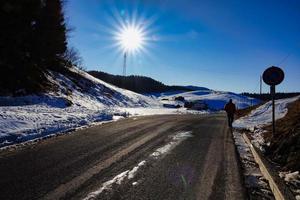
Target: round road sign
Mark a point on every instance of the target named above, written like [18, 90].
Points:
[273, 75]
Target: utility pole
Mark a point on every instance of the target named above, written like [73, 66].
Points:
[260, 87]
[273, 92]
[124, 64]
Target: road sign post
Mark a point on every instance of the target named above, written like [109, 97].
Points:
[273, 92]
[273, 76]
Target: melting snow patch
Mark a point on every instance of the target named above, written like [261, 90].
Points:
[107, 185]
[116, 117]
[129, 174]
[292, 179]
[132, 173]
[134, 183]
[176, 140]
[290, 176]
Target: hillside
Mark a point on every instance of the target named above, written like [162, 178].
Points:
[285, 145]
[78, 99]
[139, 84]
[261, 116]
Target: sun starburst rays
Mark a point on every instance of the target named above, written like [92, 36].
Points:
[131, 32]
[131, 38]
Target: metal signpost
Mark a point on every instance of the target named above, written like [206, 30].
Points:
[273, 76]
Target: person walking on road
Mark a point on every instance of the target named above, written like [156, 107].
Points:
[230, 110]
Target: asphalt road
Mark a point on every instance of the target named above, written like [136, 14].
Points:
[72, 166]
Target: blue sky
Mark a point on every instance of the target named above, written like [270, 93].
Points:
[223, 45]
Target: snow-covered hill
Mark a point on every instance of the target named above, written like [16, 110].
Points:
[262, 115]
[215, 100]
[79, 99]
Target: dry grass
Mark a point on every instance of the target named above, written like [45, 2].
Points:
[285, 144]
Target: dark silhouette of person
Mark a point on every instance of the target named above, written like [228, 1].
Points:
[230, 110]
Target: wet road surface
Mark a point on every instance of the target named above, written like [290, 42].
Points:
[180, 156]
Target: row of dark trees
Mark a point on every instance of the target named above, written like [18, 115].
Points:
[139, 84]
[267, 96]
[33, 39]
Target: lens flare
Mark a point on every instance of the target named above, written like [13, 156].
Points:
[131, 38]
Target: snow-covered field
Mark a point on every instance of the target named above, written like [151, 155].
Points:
[215, 100]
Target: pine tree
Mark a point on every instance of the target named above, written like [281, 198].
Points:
[18, 69]
[32, 40]
[51, 34]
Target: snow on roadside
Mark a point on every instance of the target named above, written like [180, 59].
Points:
[262, 115]
[159, 111]
[255, 123]
[292, 177]
[175, 140]
[255, 183]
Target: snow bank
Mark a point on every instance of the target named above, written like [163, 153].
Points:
[262, 115]
[159, 111]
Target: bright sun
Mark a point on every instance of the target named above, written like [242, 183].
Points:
[131, 38]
